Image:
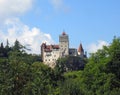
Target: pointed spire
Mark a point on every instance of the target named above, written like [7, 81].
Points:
[63, 32]
[80, 49]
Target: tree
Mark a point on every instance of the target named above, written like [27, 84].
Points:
[2, 50]
[70, 63]
[113, 65]
[40, 82]
[18, 47]
[71, 85]
[101, 74]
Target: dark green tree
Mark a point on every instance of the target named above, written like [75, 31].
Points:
[101, 74]
[40, 82]
[113, 65]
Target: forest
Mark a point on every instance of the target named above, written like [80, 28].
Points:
[25, 74]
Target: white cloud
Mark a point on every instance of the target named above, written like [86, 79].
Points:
[92, 48]
[60, 5]
[12, 28]
[57, 3]
[11, 8]
[33, 36]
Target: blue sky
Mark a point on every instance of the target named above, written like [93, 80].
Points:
[93, 23]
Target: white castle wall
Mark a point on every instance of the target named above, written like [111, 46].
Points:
[51, 57]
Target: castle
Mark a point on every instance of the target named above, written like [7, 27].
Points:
[50, 53]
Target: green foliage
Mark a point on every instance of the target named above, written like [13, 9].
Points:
[70, 63]
[113, 65]
[24, 74]
[70, 87]
[40, 80]
[101, 74]
[73, 74]
[15, 69]
[18, 47]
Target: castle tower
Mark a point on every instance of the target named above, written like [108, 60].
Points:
[80, 51]
[64, 44]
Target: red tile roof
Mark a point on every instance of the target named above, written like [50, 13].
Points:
[63, 33]
[48, 48]
[80, 49]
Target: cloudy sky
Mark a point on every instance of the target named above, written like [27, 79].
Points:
[93, 23]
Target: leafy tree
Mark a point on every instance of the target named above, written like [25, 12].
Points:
[113, 65]
[13, 78]
[24, 74]
[40, 82]
[101, 74]
[71, 85]
[70, 63]
[17, 46]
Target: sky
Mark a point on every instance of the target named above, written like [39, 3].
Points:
[93, 23]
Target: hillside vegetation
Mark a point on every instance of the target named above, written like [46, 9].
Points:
[24, 74]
